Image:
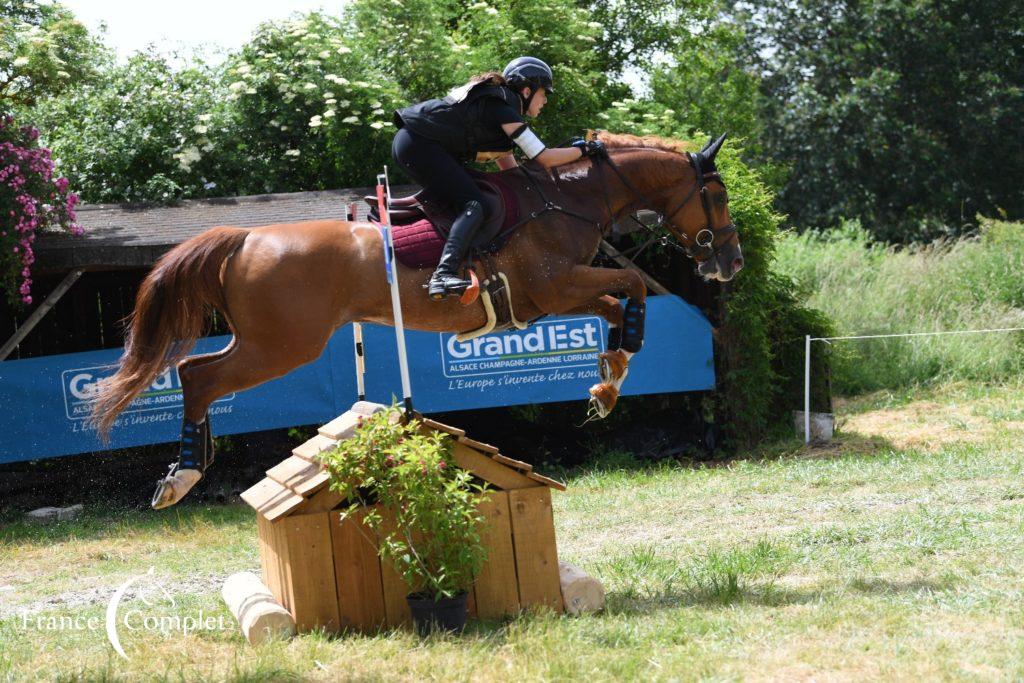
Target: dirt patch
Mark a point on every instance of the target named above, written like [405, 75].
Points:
[102, 592]
[923, 425]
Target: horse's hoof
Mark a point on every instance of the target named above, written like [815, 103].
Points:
[173, 487]
[603, 398]
[612, 366]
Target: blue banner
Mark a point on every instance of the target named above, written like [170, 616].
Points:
[44, 402]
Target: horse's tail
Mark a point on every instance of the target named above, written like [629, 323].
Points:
[170, 312]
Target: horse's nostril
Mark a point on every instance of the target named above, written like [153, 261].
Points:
[737, 264]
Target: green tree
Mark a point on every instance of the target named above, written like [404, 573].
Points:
[706, 86]
[905, 115]
[43, 51]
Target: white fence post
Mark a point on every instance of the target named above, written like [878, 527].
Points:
[807, 389]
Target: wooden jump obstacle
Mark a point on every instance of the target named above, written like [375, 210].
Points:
[326, 572]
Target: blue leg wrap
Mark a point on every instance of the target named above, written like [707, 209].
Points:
[196, 445]
[633, 326]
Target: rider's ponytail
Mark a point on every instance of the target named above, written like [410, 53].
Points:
[494, 77]
[491, 77]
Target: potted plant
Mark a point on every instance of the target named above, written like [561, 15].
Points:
[421, 509]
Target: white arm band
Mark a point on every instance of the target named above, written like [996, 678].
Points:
[529, 143]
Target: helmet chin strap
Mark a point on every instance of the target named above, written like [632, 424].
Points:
[527, 100]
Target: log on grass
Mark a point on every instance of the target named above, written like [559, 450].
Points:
[258, 614]
[581, 593]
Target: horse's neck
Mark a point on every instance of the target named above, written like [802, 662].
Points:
[599, 184]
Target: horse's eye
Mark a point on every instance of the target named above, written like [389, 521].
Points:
[722, 198]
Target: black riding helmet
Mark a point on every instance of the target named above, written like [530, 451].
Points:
[528, 71]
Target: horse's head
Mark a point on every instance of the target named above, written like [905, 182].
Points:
[699, 217]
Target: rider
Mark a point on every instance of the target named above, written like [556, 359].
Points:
[477, 121]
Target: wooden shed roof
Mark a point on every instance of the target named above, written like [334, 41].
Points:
[299, 484]
[136, 235]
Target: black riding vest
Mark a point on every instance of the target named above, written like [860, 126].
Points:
[457, 124]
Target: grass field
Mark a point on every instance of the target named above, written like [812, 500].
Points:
[896, 552]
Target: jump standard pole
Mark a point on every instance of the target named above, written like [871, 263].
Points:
[357, 343]
[383, 207]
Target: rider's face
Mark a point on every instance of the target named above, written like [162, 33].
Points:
[538, 101]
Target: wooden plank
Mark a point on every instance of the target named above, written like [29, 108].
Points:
[268, 556]
[471, 612]
[396, 608]
[487, 469]
[324, 500]
[533, 536]
[357, 568]
[341, 427]
[310, 564]
[496, 587]
[512, 462]
[437, 426]
[478, 445]
[271, 499]
[278, 544]
[314, 446]
[546, 481]
[300, 475]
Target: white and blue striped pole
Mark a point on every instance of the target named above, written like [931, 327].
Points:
[383, 207]
[357, 343]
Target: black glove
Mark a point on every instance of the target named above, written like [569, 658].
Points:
[591, 148]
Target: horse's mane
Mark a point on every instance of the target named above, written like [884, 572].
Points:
[617, 140]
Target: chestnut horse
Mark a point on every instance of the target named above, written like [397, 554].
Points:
[284, 289]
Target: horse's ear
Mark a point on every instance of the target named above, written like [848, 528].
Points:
[711, 149]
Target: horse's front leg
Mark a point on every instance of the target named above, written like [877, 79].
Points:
[613, 361]
[625, 328]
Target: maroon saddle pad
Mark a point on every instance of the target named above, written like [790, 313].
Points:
[420, 225]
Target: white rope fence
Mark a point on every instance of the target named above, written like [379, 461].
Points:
[828, 340]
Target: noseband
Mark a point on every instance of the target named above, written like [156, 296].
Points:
[709, 240]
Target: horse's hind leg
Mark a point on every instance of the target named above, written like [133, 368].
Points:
[240, 365]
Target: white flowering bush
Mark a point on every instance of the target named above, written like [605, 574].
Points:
[142, 131]
[309, 108]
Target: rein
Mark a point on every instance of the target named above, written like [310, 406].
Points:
[704, 244]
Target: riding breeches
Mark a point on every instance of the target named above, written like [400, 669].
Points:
[435, 169]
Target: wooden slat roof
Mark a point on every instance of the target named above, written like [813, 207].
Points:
[299, 484]
[136, 235]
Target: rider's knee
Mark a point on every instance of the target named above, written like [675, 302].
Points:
[473, 206]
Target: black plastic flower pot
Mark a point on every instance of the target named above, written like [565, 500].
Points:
[446, 614]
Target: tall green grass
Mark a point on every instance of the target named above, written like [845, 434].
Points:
[868, 288]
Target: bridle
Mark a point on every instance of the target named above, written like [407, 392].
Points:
[709, 240]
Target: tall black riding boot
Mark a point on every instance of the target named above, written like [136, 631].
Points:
[446, 281]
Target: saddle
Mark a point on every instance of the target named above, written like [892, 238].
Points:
[421, 222]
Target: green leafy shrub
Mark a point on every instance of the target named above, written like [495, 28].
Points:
[422, 509]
